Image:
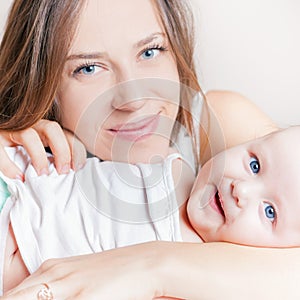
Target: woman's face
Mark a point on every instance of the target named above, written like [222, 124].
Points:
[120, 86]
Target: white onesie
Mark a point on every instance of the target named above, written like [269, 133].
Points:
[103, 206]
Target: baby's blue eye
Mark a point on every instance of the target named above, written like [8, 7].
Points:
[150, 53]
[254, 165]
[269, 212]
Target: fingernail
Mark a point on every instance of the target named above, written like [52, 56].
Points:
[65, 169]
[78, 167]
[20, 177]
[44, 171]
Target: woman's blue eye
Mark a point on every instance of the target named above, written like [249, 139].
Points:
[254, 165]
[88, 70]
[150, 53]
[269, 212]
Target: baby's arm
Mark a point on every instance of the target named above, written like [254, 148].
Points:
[14, 270]
[229, 119]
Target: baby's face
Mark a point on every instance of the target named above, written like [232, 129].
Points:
[250, 194]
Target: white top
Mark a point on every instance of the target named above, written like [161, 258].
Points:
[103, 206]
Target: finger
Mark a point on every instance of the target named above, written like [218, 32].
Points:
[53, 136]
[5, 139]
[7, 167]
[29, 293]
[32, 143]
[78, 151]
[57, 289]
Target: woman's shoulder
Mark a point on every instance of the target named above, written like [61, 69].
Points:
[224, 113]
[228, 106]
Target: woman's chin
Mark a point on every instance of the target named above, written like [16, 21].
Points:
[140, 152]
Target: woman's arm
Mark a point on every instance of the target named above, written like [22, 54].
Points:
[229, 119]
[168, 269]
[228, 271]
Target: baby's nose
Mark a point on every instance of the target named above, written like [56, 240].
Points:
[244, 191]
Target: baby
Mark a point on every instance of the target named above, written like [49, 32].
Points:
[250, 194]
[247, 195]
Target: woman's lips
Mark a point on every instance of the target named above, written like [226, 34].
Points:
[136, 130]
[217, 204]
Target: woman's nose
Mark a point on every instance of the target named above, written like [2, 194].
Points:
[128, 96]
[129, 93]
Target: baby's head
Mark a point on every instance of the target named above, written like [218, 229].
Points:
[250, 194]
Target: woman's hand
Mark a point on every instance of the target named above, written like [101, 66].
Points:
[68, 152]
[124, 273]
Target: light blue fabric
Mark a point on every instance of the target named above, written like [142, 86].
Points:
[4, 193]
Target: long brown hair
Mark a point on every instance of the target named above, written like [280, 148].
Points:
[178, 22]
[32, 55]
[35, 45]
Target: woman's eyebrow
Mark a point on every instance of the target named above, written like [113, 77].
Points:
[82, 55]
[149, 39]
[98, 55]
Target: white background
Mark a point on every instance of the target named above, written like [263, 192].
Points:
[252, 47]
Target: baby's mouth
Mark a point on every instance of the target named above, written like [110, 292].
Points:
[219, 203]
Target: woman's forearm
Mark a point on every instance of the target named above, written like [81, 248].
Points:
[227, 271]
[168, 269]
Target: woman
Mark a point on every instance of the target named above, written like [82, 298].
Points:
[57, 57]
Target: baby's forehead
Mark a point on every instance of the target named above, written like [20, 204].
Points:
[289, 234]
[286, 139]
[290, 133]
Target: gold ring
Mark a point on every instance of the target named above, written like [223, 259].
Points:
[45, 293]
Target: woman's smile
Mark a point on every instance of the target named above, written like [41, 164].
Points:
[134, 131]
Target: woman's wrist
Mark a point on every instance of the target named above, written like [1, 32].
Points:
[173, 268]
[158, 267]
